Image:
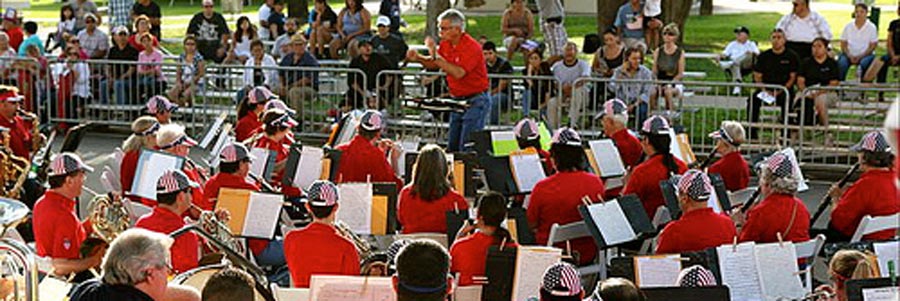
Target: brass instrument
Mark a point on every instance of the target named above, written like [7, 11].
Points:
[13, 171]
[371, 263]
[108, 216]
[16, 258]
[211, 224]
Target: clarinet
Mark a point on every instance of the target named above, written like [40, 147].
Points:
[709, 159]
[827, 199]
[750, 201]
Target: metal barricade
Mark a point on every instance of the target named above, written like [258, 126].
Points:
[828, 120]
[26, 74]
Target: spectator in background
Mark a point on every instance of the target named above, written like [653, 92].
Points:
[423, 272]
[801, 26]
[391, 9]
[858, 42]
[229, 284]
[93, 40]
[567, 72]
[652, 22]
[299, 86]
[7, 56]
[76, 74]
[668, 65]
[12, 29]
[150, 74]
[142, 25]
[31, 29]
[65, 26]
[245, 32]
[265, 10]
[387, 43]
[537, 91]
[255, 76]
[282, 43]
[630, 24]
[353, 25]
[82, 7]
[189, 74]
[323, 29]
[119, 13]
[120, 77]
[892, 57]
[738, 57]
[499, 94]
[636, 95]
[608, 57]
[276, 20]
[211, 32]
[370, 64]
[776, 66]
[423, 204]
[517, 26]
[820, 70]
[151, 10]
[555, 36]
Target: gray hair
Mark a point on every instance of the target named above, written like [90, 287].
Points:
[619, 118]
[132, 253]
[785, 185]
[455, 17]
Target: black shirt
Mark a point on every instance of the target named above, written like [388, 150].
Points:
[501, 66]
[776, 68]
[392, 47]
[117, 54]
[895, 29]
[391, 8]
[376, 63]
[152, 10]
[94, 290]
[819, 74]
[276, 18]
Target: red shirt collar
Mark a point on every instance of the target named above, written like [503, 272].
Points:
[698, 212]
[878, 173]
[61, 199]
[166, 212]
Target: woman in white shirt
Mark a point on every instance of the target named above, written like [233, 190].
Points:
[80, 74]
[858, 42]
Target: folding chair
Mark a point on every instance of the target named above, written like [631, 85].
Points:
[562, 233]
[808, 250]
[289, 293]
[870, 224]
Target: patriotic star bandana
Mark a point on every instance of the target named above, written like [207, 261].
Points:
[67, 163]
[561, 279]
[527, 129]
[873, 141]
[566, 136]
[696, 276]
[322, 194]
[371, 120]
[173, 181]
[780, 166]
[656, 125]
[695, 184]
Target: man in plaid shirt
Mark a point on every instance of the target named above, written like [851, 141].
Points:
[120, 13]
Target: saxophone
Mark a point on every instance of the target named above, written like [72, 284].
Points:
[13, 171]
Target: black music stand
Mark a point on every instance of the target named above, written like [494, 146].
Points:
[74, 136]
[855, 286]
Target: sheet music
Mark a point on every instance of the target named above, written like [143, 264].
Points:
[530, 263]
[408, 146]
[890, 293]
[609, 162]
[713, 202]
[527, 170]
[612, 223]
[777, 264]
[801, 185]
[886, 252]
[220, 141]
[309, 169]
[467, 293]
[262, 215]
[674, 148]
[613, 183]
[657, 271]
[739, 271]
[213, 130]
[503, 142]
[151, 166]
[356, 206]
[349, 129]
[260, 161]
[351, 288]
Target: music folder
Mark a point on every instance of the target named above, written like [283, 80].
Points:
[719, 201]
[253, 214]
[617, 221]
[151, 165]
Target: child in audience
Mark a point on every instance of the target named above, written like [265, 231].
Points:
[469, 253]
[734, 170]
[423, 204]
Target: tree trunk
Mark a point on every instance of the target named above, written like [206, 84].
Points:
[706, 7]
[606, 13]
[432, 10]
[677, 11]
[298, 9]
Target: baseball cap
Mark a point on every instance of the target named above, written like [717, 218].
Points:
[158, 103]
[780, 165]
[873, 141]
[86, 16]
[174, 181]
[207, 2]
[371, 120]
[66, 163]
[614, 106]
[383, 20]
[277, 117]
[730, 131]
[656, 125]
[259, 95]
[235, 152]
[10, 14]
[742, 29]
[566, 136]
[527, 129]
[279, 104]
[298, 39]
[172, 135]
[561, 279]
[322, 193]
[696, 276]
[120, 29]
[11, 95]
[696, 185]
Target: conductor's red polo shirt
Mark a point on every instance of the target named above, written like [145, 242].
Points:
[467, 55]
[873, 194]
[319, 249]
[57, 231]
[696, 230]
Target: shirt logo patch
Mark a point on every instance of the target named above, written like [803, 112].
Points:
[67, 243]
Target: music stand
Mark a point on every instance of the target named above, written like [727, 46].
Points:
[388, 189]
[74, 136]
[855, 286]
[709, 293]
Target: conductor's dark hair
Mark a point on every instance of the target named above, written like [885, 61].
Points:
[422, 270]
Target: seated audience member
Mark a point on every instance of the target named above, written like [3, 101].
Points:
[567, 71]
[93, 40]
[173, 197]
[281, 46]
[234, 168]
[731, 166]
[699, 227]
[847, 265]
[556, 198]
[58, 234]
[172, 139]
[211, 31]
[500, 95]
[858, 42]
[239, 50]
[555, 36]
[697, 276]
[190, 73]
[652, 22]
[423, 204]
[152, 11]
[370, 64]
[776, 66]
[353, 25]
[614, 118]
[265, 10]
[320, 248]
[738, 57]
[391, 9]
[322, 28]
[517, 26]
[31, 29]
[874, 193]
[616, 289]
[161, 108]
[659, 165]
[143, 136]
[630, 25]
[528, 135]
[298, 86]
[151, 79]
[277, 126]
[801, 26]
[387, 43]
[469, 251]
[668, 65]
[780, 214]
[635, 94]
[820, 70]
[561, 282]
[537, 91]
[363, 158]
[249, 112]
[276, 21]
[609, 56]
[136, 267]
[254, 74]
[229, 284]
[423, 272]
[892, 58]
[120, 77]
[141, 27]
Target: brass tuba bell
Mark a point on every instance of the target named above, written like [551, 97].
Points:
[108, 216]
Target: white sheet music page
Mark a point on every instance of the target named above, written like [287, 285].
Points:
[151, 166]
[657, 271]
[351, 288]
[262, 214]
[527, 170]
[891, 293]
[261, 159]
[612, 223]
[309, 169]
[356, 206]
[739, 271]
[887, 252]
[777, 264]
[213, 130]
[608, 159]
[531, 262]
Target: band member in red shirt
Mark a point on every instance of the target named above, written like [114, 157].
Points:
[873, 194]
[469, 253]
[528, 135]
[58, 234]
[459, 56]
[660, 165]
[21, 141]
[780, 212]
[275, 103]
[734, 170]
[277, 125]
[143, 135]
[173, 195]
[172, 139]
[363, 159]
[423, 204]
[318, 248]
[699, 227]
[160, 107]
[556, 198]
[234, 167]
[249, 111]
[615, 125]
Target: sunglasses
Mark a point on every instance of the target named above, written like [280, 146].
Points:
[72, 53]
[190, 44]
[670, 34]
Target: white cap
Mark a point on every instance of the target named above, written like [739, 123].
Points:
[383, 20]
[207, 2]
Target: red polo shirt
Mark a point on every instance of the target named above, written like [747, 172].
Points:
[319, 249]
[282, 152]
[644, 182]
[185, 250]
[421, 216]
[734, 171]
[16, 36]
[873, 194]
[225, 180]
[556, 200]
[19, 136]
[127, 168]
[247, 126]
[197, 195]
[773, 215]
[57, 231]
[468, 256]
[362, 161]
[696, 230]
[629, 146]
[467, 54]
